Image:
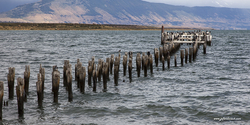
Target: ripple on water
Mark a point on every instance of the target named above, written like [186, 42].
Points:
[215, 85]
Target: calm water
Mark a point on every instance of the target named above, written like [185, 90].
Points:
[216, 85]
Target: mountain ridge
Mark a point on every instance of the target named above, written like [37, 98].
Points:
[135, 12]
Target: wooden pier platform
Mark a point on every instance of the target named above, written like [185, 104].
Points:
[185, 37]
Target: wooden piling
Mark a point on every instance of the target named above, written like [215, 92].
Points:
[82, 76]
[1, 99]
[138, 64]
[116, 71]
[108, 63]
[182, 56]
[111, 63]
[104, 74]
[156, 52]
[124, 65]
[145, 65]
[117, 63]
[162, 38]
[69, 84]
[168, 61]
[195, 51]
[161, 53]
[56, 82]
[165, 50]
[11, 81]
[20, 92]
[151, 63]
[42, 71]
[130, 69]
[204, 48]
[95, 80]
[143, 56]
[26, 78]
[90, 70]
[76, 68]
[39, 86]
[186, 55]
[100, 66]
[190, 54]
[130, 53]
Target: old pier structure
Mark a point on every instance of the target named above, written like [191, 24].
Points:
[100, 72]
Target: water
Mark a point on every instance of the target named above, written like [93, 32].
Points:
[216, 85]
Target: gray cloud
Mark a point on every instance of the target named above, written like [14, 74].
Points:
[214, 3]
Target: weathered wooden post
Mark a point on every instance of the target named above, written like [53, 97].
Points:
[182, 57]
[69, 84]
[168, 61]
[94, 80]
[138, 64]
[42, 71]
[165, 50]
[130, 69]
[39, 85]
[124, 65]
[108, 63]
[119, 60]
[145, 65]
[56, 82]
[186, 55]
[11, 81]
[116, 71]
[156, 52]
[1, 99]
[100, 67]
[205, 48]
[195, 51]
[76, 68]
[175, 60]
[143, 56]
[151, 63]
[90, 70]
[104, 74]
[162, 37]
[161, 53]
[20, 92]
[26, 78]
[111, 63]
[130, 53]
[82, 76]
[190, 54]
[163, 63]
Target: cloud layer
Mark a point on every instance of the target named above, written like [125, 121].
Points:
[214, 3]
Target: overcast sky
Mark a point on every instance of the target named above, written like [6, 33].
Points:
[215, 3]
[6, 5]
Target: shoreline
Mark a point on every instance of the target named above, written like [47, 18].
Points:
[77, 26]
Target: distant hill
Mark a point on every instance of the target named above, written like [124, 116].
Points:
[132, 12]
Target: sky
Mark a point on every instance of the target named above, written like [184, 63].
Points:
[6, 5]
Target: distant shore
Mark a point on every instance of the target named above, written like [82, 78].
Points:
[76, 26]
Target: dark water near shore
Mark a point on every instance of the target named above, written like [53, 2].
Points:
[216, 85]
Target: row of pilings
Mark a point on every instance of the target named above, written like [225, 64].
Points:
[95, 72]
